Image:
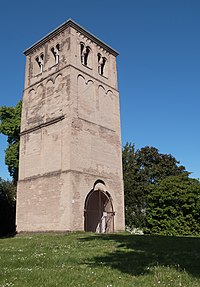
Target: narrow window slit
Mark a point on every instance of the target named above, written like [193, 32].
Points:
[40, 62]
[55, 52]
[84, 54]
[101, 64]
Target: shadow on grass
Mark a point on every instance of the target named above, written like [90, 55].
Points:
[8, 235]
[135, 254]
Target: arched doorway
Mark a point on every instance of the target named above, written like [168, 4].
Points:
[99, 214]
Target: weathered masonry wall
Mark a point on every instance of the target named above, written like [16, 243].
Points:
[70, 131]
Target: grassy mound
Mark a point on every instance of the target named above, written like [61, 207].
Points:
[85, 259]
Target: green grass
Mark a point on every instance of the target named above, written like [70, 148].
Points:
[85, 259]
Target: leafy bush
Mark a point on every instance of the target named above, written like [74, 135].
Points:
[143, 169]
[174, 207]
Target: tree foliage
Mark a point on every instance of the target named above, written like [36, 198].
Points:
[143, 169]
[10, 120]
[7, 207]
[174, 207]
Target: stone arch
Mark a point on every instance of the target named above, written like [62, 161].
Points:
[98, 210]
[109, 91]
[89, 82]
[102, 87]
[81, 77]
[99, 184]
[31, 91]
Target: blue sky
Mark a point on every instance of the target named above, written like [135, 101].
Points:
[158, 65]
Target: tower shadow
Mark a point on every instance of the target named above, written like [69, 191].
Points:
[135, 254]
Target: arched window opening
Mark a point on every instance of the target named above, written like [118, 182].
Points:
[55, 51]
[40, 62]
[101, 64]
[99, 214]
[84, 54]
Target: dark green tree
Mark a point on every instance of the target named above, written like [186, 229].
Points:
[134, 188]
[7, 207]
[10, 120]
[142, 169]
[174, 207]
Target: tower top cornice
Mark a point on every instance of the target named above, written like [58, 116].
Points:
[78, 28]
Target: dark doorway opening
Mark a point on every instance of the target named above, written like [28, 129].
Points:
[99, 214]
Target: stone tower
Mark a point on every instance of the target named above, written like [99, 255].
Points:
[70, 174]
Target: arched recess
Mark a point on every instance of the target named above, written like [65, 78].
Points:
[35, 113]
[86, 99]
[99, 213]
[54, 91]
[106, 107]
